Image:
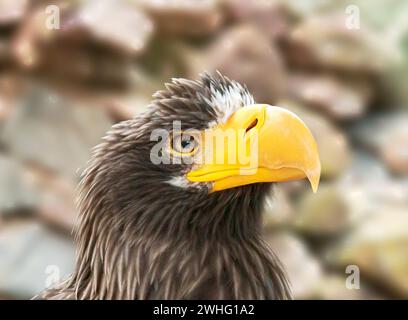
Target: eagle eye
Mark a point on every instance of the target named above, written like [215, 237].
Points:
[183, 144]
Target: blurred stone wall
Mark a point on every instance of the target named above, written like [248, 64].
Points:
[64, 82]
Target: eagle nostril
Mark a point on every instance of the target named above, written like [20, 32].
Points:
[252, 125]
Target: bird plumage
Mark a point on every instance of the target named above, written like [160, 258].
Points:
[140, 236]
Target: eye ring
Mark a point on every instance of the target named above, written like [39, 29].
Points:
[183, 144]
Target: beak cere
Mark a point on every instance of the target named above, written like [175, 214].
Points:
[258, 143]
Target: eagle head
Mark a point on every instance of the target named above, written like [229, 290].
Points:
[170, 202]
[203, 137]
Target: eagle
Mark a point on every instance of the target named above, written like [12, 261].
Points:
[168, 210]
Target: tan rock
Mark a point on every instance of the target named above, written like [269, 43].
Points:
[260, 66]
[379, 248]
[30, 38]
[116, 23]
[324, 213]
[12, 11]
[56, 205]
[270, 16]
[339, 99]
[325, 41]
[395, 154]
[184, 17]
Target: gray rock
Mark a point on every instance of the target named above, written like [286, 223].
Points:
[387, 136]
[29, 190]
[16, 191]
[53, 131]
[368, 188]
[32, 257]
[303, 269]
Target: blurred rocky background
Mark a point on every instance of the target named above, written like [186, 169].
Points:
[343, 67]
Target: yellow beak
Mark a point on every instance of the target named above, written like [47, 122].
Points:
[258, 143]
